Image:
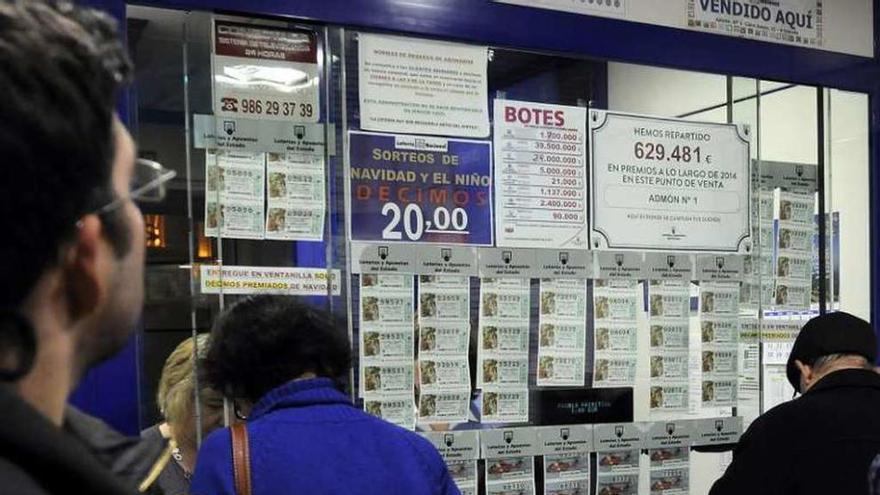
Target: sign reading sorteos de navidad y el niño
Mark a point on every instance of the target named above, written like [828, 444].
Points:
[420, 189]
[668, 184]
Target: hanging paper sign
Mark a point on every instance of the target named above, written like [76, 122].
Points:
[265, 73]
[420, 189]
[422, 86]
[540, 175]
[667, 184]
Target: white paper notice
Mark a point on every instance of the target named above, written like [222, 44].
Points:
[234, 194]
[290, 281]
[444, 337]
[422, 86]
[660, 183]
[503, 371]
[296, 202]
[562, 332]
[387, 347]
[615, 306]
[540, 175]
[265, 73]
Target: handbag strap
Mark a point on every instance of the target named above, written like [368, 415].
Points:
[241, 459]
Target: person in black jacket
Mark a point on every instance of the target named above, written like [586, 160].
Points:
[822, 442]
[72, 256]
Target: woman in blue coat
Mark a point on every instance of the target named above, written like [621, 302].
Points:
[282, 364]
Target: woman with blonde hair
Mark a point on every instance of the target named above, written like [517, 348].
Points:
[176, 401]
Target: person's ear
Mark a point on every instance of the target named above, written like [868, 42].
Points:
[806, 372]
[85, 267]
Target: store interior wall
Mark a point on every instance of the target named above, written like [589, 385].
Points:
[850, 195]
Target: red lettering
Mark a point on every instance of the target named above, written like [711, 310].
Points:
[438, 196]
[401, 195]
[525, 115]
[460, 198]
[509, 114]
[481, 198]
[548, 117]
[560, 118]
[384, 193]
[363, 192]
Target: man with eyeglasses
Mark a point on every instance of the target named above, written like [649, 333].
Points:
[823, 441]
[73, 253]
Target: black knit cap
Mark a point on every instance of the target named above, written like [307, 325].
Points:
[831, 333]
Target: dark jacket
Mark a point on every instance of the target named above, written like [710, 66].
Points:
[306, 437]
[135, 461]
[38, 458]
[820, 443]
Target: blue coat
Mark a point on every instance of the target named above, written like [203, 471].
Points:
[306, 437]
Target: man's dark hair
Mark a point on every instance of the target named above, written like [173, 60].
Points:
[61, 67]
[263, 342]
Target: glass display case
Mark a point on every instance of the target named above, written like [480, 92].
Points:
[605, 262]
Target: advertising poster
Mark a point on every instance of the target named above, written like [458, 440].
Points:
[540, 175]
[797, 22]
[288, 281]
[668, 314]
[296, 200]
[444, 338]
[422, 86]
[265, 73]
[503, 357]
[420, 189]
[719, 335]
[660, 183]
[615, 308]
[562, 325]
[234, 194]
[387, 348]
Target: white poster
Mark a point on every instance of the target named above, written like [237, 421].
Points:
[234, 194]
[296, 201]
[503, 357]
[288, 281]
[265, 73]
[387, 374]
[540, 175]
[661, 183]
[422, 86]
[562, 332]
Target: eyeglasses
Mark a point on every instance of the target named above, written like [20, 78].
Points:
[148, 185]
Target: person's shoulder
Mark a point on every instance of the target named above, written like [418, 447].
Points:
[219, 439]
[18, 481]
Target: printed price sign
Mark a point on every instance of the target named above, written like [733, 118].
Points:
[265, 72]
[669, 184]
[420, 189]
